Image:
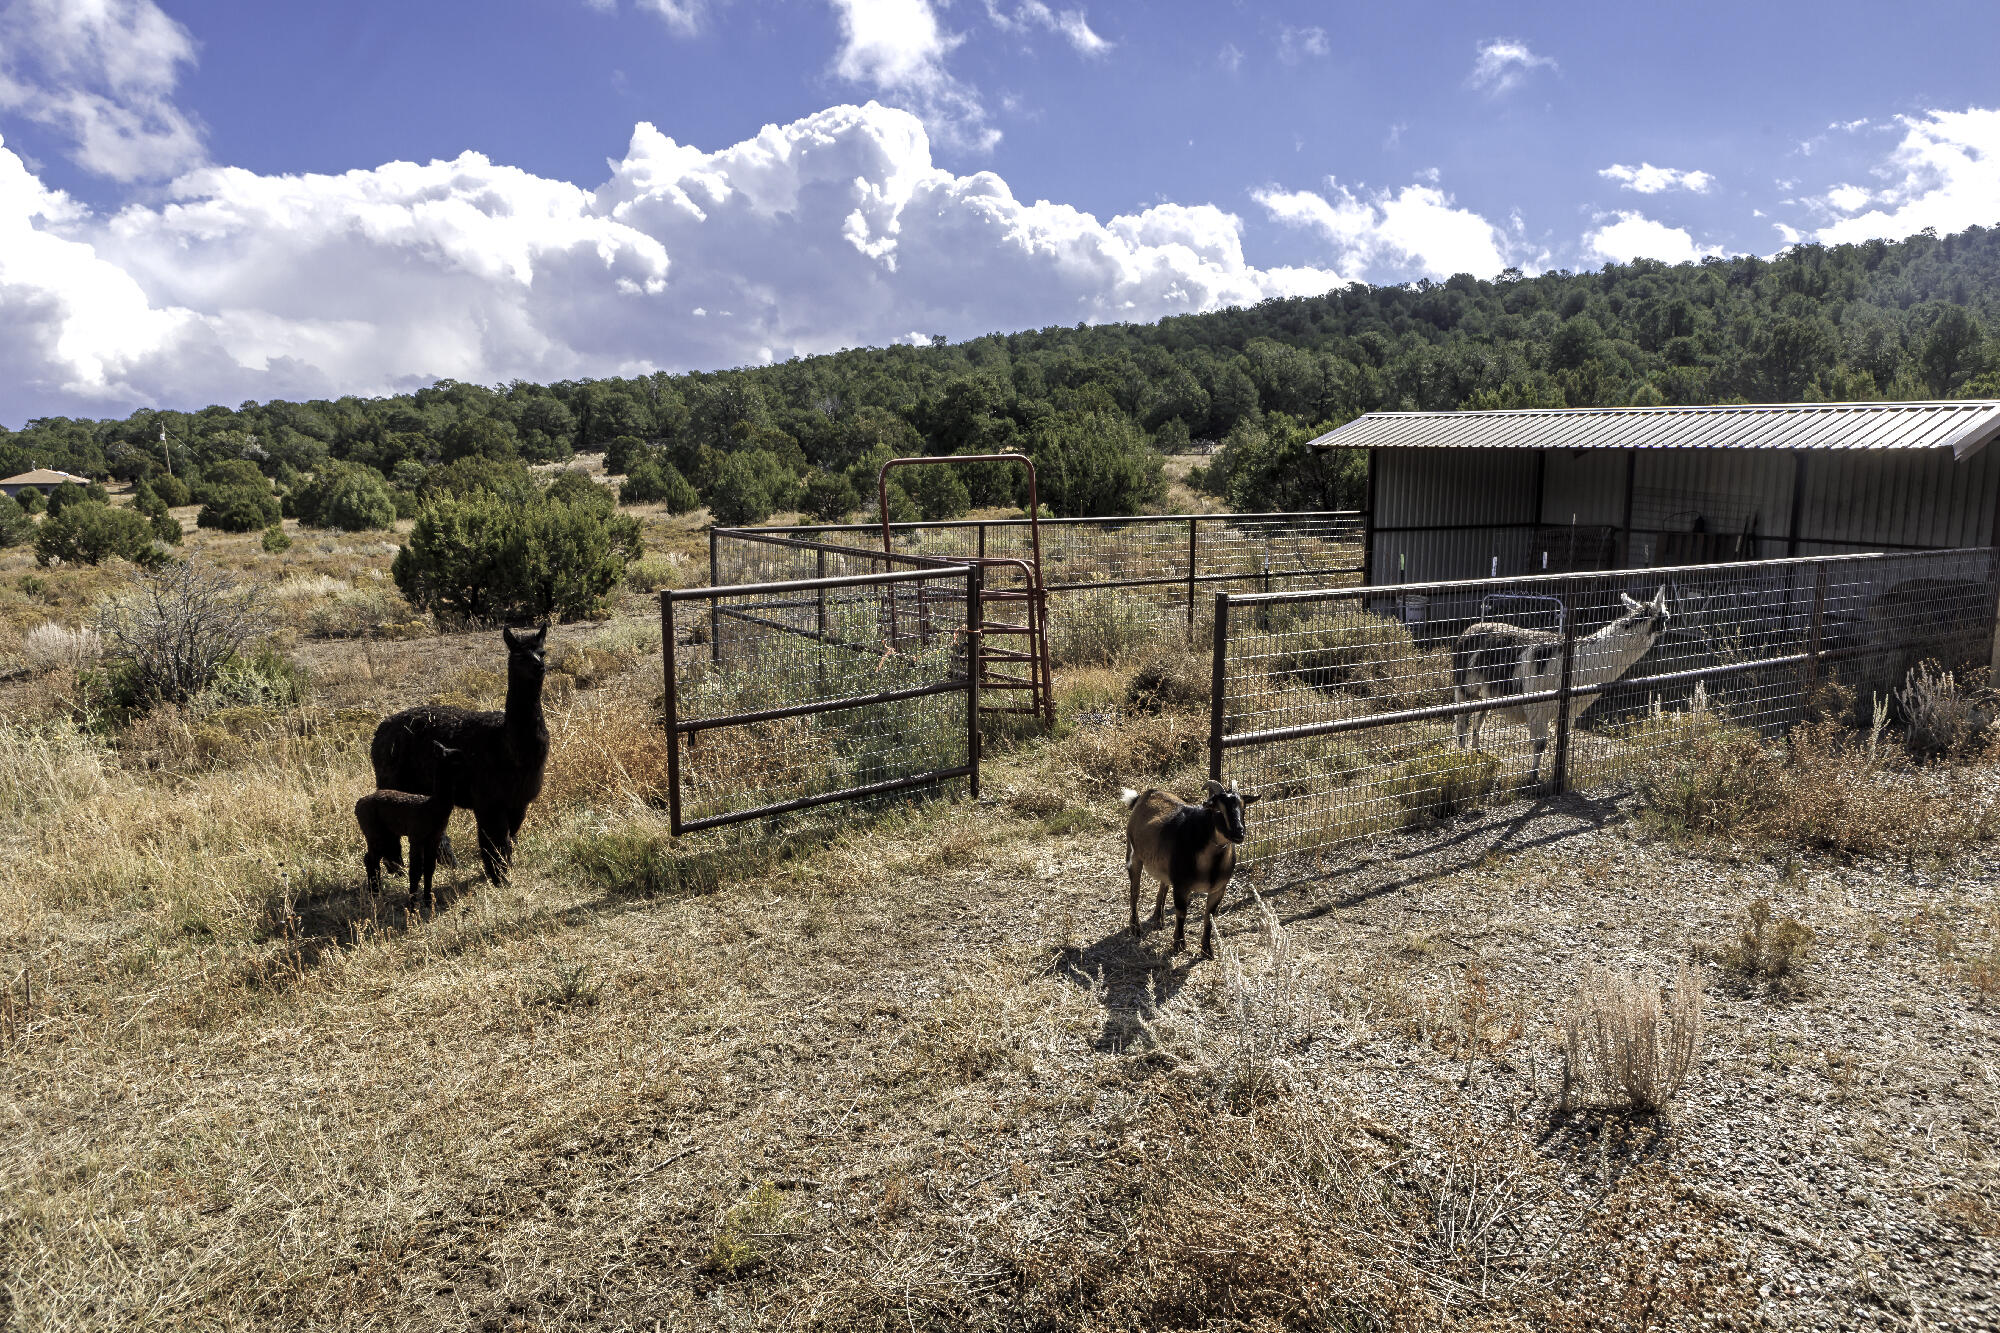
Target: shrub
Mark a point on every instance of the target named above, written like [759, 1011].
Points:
[621, 452]
[572, 487]
[1098, 629]
[750, 486]
[70, 493]
[275, 540]
[1347, 648]
[31, 500]
[482, 557]
[1439, 784]
[1709, 778]
[830, 497]
[238, 509]
[147, 500]
[166, 528]
[88, 531]
[1773, 954]
[507, 479]
[51, 647]
[175, 629]
[1941, 718]
[171, 490]
[16, 528]
[346, 497]
[1095, 462]
[653, 480]
[939, 492]
[1170, 678]
[1621, 1043]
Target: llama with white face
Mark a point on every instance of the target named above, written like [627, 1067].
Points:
[1496, 661]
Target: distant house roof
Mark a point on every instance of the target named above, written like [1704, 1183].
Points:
[43, 476]
[1962, 425]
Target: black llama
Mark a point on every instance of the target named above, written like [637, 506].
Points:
[496, 759]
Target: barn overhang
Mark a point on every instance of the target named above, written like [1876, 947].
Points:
[1962, 426]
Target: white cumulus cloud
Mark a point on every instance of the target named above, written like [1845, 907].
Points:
[1504, 64]
[898, 48]
[1393, 232]
[1944, 174]
[1649, 179]
[1849, 198]
[1629, 236]
[102, 72]
[836, 230]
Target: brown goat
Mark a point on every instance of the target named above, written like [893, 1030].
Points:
[1186, 847]
[386, 818]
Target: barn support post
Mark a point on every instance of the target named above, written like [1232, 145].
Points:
[1625, 525]
[1218, 680]
[1368, 523]
[1798, 503]
[1559, 776]
[1541, 490]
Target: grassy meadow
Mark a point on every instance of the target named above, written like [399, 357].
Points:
[903, 1068]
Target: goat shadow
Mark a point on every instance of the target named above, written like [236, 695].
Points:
[1129, 978]
[1132, 979]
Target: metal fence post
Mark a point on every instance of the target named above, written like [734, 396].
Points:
[974, 586]
[820, 594]
[1217, 682]
[714, 613]
[1815, 634]
[1194, 545]
[1560, 777]
[673, 716]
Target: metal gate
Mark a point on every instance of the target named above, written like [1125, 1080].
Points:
[784, 696]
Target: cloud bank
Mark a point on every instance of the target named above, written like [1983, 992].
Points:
[836, 230]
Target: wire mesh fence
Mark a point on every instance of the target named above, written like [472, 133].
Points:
[786, 694]
[1356, 712]
[1112, 582]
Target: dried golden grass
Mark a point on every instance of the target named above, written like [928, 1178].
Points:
[606, 752]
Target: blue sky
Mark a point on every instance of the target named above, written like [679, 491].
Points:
[227, 200]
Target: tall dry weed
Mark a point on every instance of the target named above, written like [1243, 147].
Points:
[1624, 1043]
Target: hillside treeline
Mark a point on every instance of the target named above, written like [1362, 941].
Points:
[1097, 406]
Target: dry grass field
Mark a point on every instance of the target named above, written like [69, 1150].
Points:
[903, 1069]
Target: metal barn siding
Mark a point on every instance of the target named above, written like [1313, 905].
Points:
[1892, 501]
[1440, 513]
[1734, 492]
[1585, 487]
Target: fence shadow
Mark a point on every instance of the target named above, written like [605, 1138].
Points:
[1130, 978]
[1413, 859]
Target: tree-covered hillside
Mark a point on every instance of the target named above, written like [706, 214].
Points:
[1095, 406]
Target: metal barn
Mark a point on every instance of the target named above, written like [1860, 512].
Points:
[1455, 495]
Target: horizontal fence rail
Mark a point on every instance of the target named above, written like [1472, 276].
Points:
[786, 694]
[1113, 583]
[1359, 711]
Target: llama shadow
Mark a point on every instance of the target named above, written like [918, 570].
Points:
[334, 915]
[1129, 978]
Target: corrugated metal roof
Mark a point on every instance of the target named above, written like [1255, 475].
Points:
[1963, 426]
